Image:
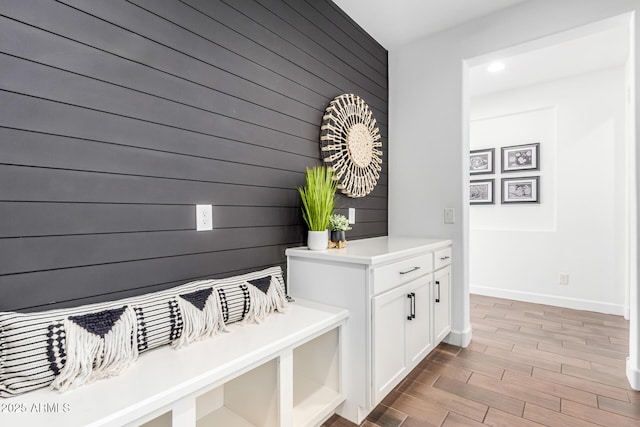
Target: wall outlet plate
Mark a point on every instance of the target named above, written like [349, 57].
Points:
[204, 217]
[564, 278]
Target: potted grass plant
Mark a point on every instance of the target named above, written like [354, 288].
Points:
[317, 204]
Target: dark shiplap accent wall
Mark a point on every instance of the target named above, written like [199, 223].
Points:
[117, 117]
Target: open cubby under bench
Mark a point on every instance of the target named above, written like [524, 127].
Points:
[285, 371]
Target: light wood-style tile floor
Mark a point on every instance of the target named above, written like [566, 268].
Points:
[527, 365]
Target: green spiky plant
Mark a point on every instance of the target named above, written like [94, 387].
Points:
[318, 197]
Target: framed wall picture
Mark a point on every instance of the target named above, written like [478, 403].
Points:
[521, 190]
[481, 161]
[481, 192]
[521, 158]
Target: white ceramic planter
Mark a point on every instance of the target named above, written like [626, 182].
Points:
[318, 240]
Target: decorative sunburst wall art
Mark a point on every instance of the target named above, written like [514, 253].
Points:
[350, 144]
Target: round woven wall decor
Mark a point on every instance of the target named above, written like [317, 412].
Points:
[350, 144]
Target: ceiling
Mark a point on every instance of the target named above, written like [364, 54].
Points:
[596, 51]
[396, 22]
[593, 47]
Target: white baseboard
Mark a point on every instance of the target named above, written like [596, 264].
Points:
[575, 303]
[459, 338]
[633, 375]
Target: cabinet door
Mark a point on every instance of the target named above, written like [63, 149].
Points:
[401, 333]
[441, 304]
[418, 328]
[389, 317]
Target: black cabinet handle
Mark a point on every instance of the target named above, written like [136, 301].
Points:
[412, 297]
[444, 258]
[438, 295]
[413, 301]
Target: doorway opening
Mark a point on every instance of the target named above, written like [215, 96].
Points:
[552, 170]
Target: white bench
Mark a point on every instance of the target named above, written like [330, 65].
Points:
[283, 372]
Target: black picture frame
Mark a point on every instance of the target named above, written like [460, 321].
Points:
[482, 161]
[518, 158]
[524, 189]
[482, 192]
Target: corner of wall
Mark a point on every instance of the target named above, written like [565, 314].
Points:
[460, 338]
[633, 375]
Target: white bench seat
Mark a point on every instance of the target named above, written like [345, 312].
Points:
[285, 371]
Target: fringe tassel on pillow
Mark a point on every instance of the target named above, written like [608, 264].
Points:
[264, 303]
[199, 322]
[99, 345]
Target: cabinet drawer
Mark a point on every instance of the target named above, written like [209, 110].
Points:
[390, 276]
[442, 258]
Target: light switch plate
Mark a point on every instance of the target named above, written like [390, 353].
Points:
[352, 215]
[449, 216]
[204, 217]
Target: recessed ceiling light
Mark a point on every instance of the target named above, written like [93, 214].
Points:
[495, 67]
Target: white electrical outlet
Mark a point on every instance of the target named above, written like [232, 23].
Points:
[204, 217]
[564, 278]
[449, 216]
[352, 215]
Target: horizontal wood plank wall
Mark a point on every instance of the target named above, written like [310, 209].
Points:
[118, 117]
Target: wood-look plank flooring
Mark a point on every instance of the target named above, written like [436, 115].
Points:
[527, 365]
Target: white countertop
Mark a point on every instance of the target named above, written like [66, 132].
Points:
[373, 251]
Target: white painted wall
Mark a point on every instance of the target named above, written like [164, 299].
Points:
[428, 116]
[518, 251]
[632, 88]
[501, 121]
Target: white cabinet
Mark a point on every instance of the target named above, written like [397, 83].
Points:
[442, 294]
[442, 303]
[401, 333]
[418, 339]
[387, 284]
